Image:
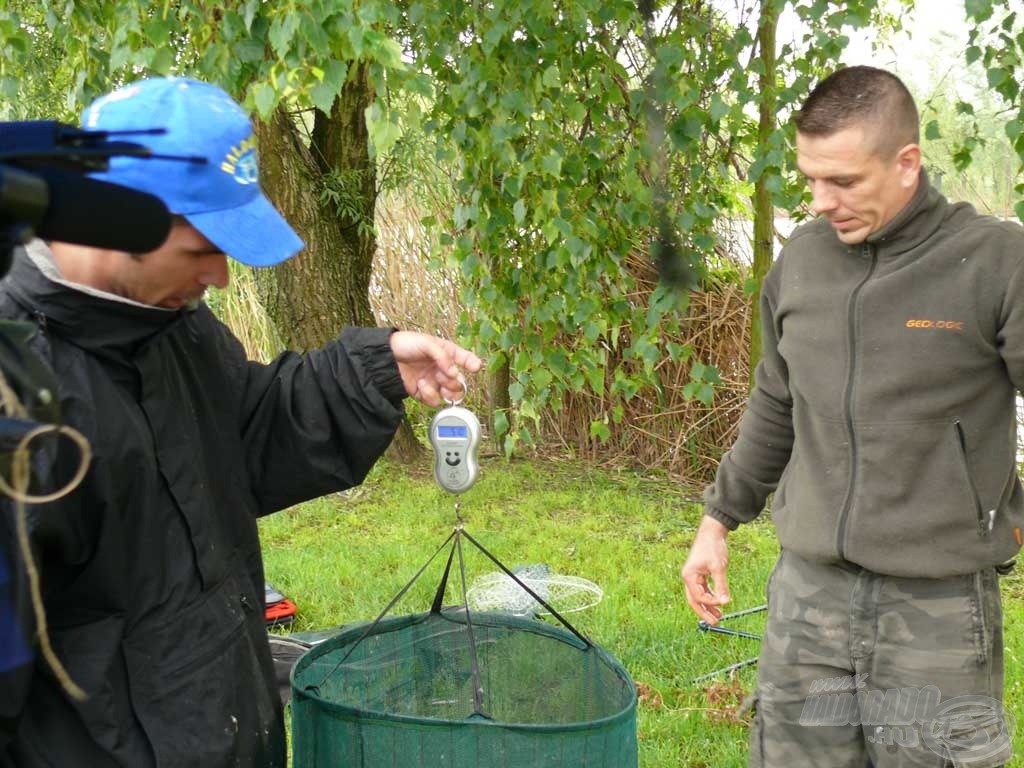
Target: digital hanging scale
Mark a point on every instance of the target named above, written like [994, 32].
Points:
[455, 435]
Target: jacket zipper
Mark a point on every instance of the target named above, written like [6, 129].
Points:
[851, 321]
[984, 525]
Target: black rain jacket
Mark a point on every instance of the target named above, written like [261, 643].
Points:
[151, 570]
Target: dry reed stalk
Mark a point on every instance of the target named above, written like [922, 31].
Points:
[239, 306]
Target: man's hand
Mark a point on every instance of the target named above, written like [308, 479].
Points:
[709, 556]
[430, 366]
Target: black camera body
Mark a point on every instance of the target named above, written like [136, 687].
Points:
[45, 192]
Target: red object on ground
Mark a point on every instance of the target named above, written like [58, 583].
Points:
[280, 614]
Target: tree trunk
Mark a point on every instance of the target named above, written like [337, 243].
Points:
[327, 191]
[764, 211]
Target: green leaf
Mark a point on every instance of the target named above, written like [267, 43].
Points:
[978, 10]
[162, 62]
[384, 50]
[557, 362]
[265, 98]
[327, 90]
[494, 35]
[599, 430]
[248, 50]
[964, 108]
[551, 78]
[996, 76]
[355, 39]
[249, 13]
[158, 30]
[552, 164]
[383, 130]
[719, 108]
[119, 57]
[932, 131]
[500, 423]
[282, 30]
[9, 87]
[519, 211]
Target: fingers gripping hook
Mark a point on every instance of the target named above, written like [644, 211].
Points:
[465, 391]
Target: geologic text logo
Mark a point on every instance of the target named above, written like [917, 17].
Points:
[946, 325]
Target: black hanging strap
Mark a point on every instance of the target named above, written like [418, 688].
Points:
[373, 625]
[532, 594]
[474, 665]
[439, 595]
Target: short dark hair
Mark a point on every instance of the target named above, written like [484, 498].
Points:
[862, 96]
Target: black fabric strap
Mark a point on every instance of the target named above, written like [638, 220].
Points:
[373, 625]
[439, 595]
[474, 665]
[532, 594]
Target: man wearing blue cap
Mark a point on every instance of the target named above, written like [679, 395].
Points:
[152, 576]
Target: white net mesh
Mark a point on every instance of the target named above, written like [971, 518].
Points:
[499, 592]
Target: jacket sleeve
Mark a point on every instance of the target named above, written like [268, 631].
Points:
[750, 470]
[316, 423]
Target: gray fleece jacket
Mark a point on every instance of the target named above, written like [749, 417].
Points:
[884, 409]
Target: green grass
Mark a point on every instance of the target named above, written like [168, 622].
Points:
[343, 558]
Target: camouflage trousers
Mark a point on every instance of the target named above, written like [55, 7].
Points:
[859, 669]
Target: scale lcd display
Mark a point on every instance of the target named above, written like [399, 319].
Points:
[452, 431]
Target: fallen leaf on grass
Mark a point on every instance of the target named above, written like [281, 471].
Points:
[648, 696]
[725, 701]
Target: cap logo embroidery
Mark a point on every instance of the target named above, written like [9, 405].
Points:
[241, 162]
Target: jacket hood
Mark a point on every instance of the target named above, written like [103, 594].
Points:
[94, 320]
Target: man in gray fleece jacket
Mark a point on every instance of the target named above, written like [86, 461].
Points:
[883, 419]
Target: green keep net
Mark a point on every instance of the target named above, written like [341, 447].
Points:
[406, 695]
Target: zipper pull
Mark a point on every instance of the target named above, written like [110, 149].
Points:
[991, 519]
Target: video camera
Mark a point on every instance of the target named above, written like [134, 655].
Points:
[45, 192]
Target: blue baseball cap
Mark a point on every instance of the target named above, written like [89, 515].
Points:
[221, 197]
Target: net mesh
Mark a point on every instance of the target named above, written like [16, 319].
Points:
[405, 695]
[500, 592]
